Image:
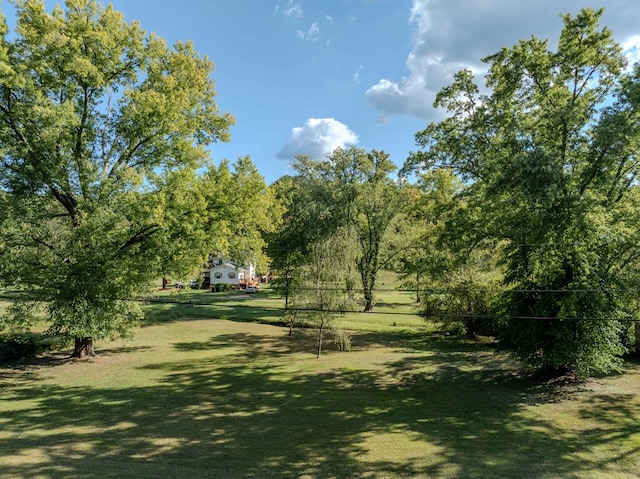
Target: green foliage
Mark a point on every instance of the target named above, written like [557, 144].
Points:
[103, 128]
[242, 211]
[289, 243]
[549, 160]
[452, 270]
[342, 340]
[319, 295]
[17, 347]
[464, 294]
[351, 192]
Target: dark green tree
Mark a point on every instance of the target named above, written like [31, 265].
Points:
[452, 267]
[241, 210]
[352, 189]
[550, 159]
[288, 244]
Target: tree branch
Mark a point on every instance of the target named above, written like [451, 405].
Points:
[141, 236]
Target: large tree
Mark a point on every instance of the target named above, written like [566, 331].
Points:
[550, 160]
[288, 244]
[352, 190]
[102, 129]
[242, 211]
[452, 267]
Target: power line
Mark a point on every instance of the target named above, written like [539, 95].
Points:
[422, 291]
[458, 316]
[471, 290]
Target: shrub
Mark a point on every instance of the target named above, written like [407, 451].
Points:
[17, 347]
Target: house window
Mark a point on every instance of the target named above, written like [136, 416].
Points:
[232, 275]
[218, 275]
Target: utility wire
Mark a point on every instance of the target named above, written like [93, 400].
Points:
[426, 290]
[460, 316]
[400, 290]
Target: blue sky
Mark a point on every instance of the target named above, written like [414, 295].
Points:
[302, 77]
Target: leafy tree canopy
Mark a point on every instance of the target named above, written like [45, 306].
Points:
[550, 161]
[351, 190]
[102, 129]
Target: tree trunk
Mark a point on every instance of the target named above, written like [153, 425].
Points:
[470, 326]
[292, 320]
[286, 290]
[470, 323]
[637, 335]
[368, 301]
[368, 283]
[320, 339]
[83, 347]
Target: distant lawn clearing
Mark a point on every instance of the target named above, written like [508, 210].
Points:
[223, 399]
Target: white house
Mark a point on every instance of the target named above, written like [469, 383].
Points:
[230, 274]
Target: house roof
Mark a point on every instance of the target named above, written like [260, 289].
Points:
[228, 266]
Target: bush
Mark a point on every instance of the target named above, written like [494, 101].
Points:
[221, 287]
[17, 347]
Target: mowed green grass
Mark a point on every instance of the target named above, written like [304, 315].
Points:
[208, 389]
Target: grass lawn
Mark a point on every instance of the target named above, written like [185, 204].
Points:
[208, 390]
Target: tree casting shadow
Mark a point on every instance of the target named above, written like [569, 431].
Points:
[245, 418]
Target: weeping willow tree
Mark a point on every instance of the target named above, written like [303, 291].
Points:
[322, 294]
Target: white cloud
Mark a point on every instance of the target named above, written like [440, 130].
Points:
[413, 94]
[457, 34]
[328, 18]
[356, 75]
[317, 138]
[292, 9]
[632, 49]
[311, 34]
[289, 9]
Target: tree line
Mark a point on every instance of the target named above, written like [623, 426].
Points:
[516, 217]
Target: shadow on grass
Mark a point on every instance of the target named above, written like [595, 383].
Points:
[226, 308]
[255, 346]
[245, 414]
[396, 305]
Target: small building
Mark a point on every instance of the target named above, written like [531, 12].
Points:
[231, 275]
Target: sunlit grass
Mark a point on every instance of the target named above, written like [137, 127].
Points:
[211, 388]
[393, 311]
[219, 398]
